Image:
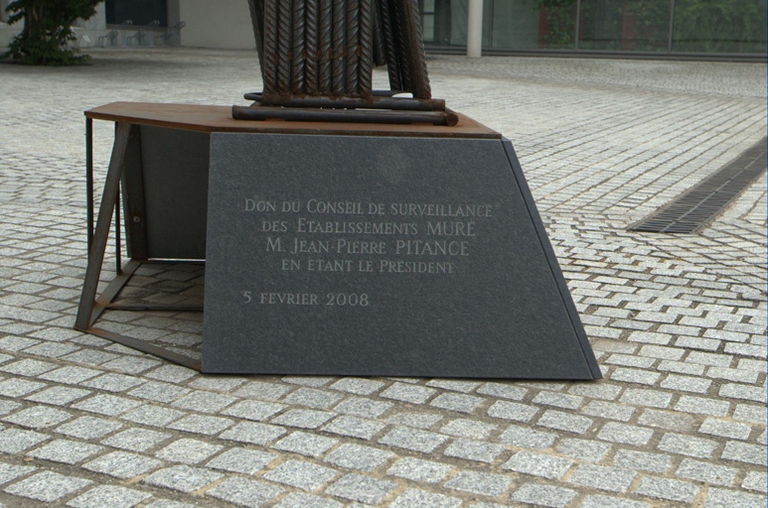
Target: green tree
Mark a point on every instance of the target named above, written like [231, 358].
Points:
[47, 33]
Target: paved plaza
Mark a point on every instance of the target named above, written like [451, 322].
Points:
[677, 322]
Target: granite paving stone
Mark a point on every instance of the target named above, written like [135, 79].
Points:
[755, 480]
[242, 460]
[721, 498]
[113, 496]
[136, 439]
[201, 424]
[414, 394]
[468, 428]
[413, 439]
[470, 449]
[38, 417]
[745, 452]
[303, 418]
[88, 427]
[10, 472]
[353, 426]
[677, 322]
[420, 470]
[414, 497]
[251, 432]
[47, 486]
[107, 405]
[65, 451]
[457, 402]
[512, 411]
[583, 449]
[603, 477]
[305, 443]
[14, 441]
[612, 502]
[361, 488]
[123, 465]
[527, 438]
[302, 475]
[361, 406]
[668, 489]
[187, 451]
[244, 492]
[537, 464]
[642, 461]
[484, 484]
[302, 500]
[544, 495]
[560, 420]
[182, 478]
[358, 457]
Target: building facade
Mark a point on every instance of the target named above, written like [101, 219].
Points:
[683, 28]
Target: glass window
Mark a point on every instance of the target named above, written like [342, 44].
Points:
[624, 25]
[140, 12]
[720, 26]
[557, 24]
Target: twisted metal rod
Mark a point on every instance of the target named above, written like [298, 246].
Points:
[326, 17]
[284, 46]
[312, 11]
[352, 51]
[299, 51]
[379, 52]
[339, 22]
[390, 44]
[366, 11]
[269, 74]
[415, 54]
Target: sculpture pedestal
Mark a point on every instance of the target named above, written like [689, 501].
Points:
[342, 249]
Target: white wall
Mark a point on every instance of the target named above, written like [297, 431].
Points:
[219, 24]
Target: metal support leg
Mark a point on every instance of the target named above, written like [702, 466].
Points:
[99, 244]
[89, 178]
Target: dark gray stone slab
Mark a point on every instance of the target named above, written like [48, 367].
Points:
[361, 255]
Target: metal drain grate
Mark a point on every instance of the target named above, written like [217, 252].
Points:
[693, 209]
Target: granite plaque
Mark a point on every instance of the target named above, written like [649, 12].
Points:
[373, 256]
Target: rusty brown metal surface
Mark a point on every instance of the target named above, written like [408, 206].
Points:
[219, 119]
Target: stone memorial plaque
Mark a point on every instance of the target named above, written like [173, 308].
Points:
[364, 255]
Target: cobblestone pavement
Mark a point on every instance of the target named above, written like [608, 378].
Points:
[677, 321]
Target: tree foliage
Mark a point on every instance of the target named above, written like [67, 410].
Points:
[47, 34]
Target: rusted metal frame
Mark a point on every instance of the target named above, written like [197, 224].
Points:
[352, 68]
[269, 68]
[144, 347]
[394, 103]
[338, 47]
[345, 115]
[113, 289]
[284, 47]
[325, 47]
[89, 180]
[366, 14]
[299, 50]
[101, 234]
[312, 13]
[118, 237]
